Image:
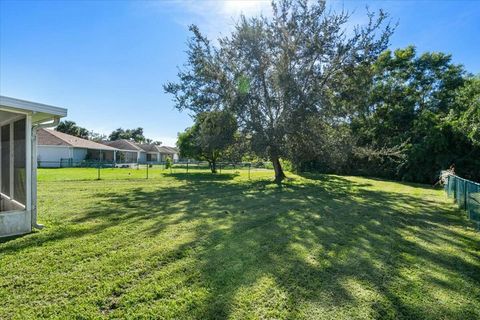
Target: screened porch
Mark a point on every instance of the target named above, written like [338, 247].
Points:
[13, 161]
[19, 122]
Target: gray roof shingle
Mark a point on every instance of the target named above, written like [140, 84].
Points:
[166, 149]
[148, 147]
[123, 145]
[46, 137]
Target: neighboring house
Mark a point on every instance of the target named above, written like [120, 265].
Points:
[143, 153]
[158, 154]
[129, 152]
[152, 155]
[20, 122]
[170, 152]
[57, 149]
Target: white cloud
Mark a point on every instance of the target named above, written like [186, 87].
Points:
[216, 17]
[247, 7]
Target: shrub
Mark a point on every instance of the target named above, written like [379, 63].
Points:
[168, 163]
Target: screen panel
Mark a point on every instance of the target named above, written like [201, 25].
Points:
[20, 161]
[5, 159]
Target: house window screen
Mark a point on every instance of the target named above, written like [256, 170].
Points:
[5, 159]
[19, 162]
[130, 157]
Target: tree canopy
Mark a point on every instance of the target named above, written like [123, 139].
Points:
[208, 139]
[274, 73]
[305, 87]
[466, 113]
[413, 99]
[129, 134]
[71, 128]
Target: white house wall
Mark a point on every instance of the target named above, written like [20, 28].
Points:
[50, 156]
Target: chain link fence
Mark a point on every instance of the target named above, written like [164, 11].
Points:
[66, 169]
[466, 194]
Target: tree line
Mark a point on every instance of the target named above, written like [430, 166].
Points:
[136, 134]
[304, 87]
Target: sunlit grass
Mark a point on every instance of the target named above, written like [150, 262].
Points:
[203, 246]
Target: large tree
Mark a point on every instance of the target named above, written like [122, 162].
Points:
[128, 134]
[421, 102]
[208, 139]
[467, 111]
[276, 73]
[71, 128]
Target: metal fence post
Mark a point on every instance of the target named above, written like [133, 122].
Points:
[187, 166]
[467, 199]
[147, 170]
[249, 166]
[455, 194]
[98, 171]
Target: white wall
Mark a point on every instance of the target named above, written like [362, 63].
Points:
[49, 156]
[142, 157]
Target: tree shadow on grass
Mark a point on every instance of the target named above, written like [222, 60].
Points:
[360, 242]
[11, 238]
[409, 184]
[202, 176]
[317, 242]
[314, 245]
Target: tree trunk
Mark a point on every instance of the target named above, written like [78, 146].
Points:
[279, 175]
[213, 166]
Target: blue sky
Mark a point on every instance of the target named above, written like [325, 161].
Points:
[106, 61]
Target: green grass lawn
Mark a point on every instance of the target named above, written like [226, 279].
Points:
[64, 174]
[202, 246]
